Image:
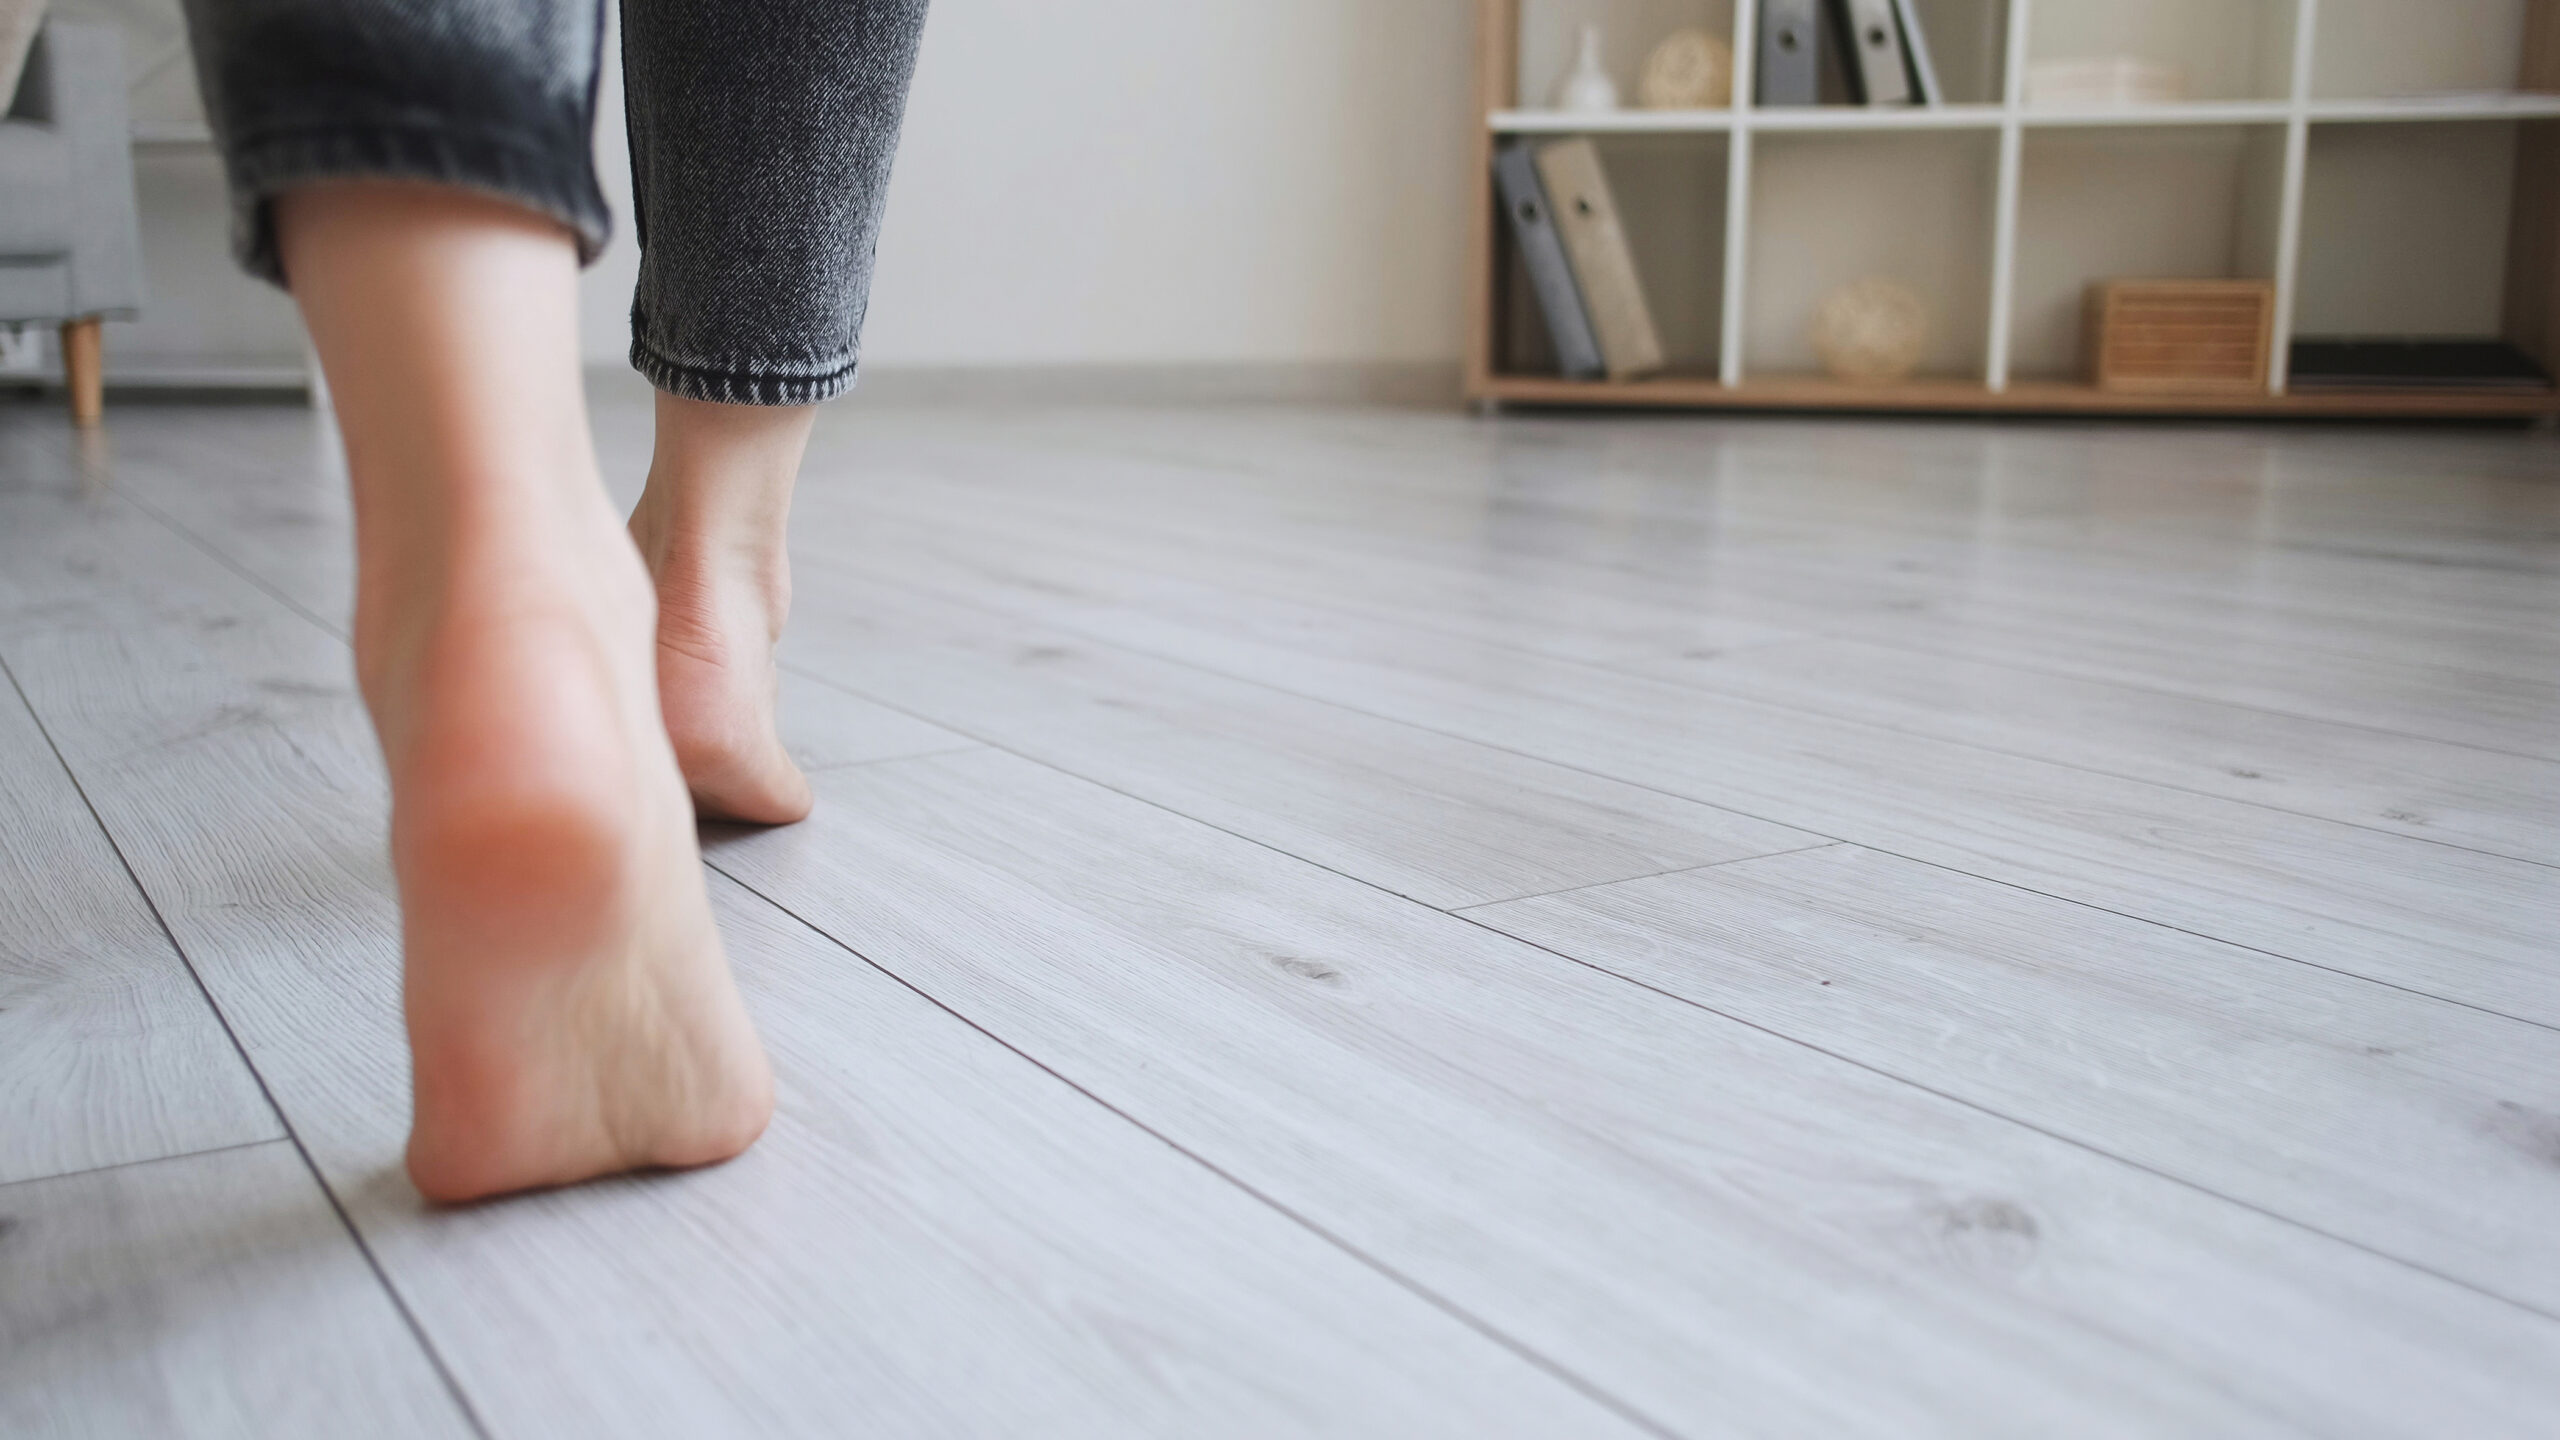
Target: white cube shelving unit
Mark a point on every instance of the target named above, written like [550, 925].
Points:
[2391, 166]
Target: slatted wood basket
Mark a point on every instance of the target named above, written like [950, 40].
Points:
[2181, 337]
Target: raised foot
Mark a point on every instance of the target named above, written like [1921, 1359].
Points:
[719, 688]
[570, 1012]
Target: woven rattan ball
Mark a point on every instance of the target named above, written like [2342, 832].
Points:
[1689, 70]
[1870, 330]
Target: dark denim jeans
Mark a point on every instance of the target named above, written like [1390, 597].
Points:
[761, 136]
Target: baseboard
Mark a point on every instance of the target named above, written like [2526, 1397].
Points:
[1394, 384]
[179, 382]
[1397, 384]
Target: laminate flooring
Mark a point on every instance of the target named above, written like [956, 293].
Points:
[1368, 922]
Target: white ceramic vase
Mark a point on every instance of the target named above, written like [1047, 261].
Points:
[1587, 86]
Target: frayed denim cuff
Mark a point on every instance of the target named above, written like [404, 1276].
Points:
[739, 384]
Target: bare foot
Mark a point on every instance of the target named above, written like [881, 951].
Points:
[712, 549]
[570, 1012]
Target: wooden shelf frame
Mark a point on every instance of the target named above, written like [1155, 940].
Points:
[2532, 280]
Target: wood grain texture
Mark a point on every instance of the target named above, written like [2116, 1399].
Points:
[210, 1295]
[1725, 1229]
[108, 1052]
[2418, 1129]
[2442, 921]
[2020, 652]
[2426, 789]
[825, 726]
[936, 1237]
[1442, 821]
[2293, 625]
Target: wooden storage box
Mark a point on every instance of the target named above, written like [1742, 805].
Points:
[2181, 337]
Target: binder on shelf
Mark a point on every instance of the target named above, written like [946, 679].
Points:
[1925, 89]
[1604, 269]
[1533, 225]
[1790, 66]
[1871, 51]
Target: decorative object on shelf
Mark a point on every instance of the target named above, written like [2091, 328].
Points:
[2181, 337]
[1790, 52]
[2108, 81]
[1871, 51]
[1533, 228]
[2348, 366]
[1587, 89]
[1871, 331]
[1604, 268]
[1689, 70]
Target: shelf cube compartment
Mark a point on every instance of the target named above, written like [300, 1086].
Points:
[1670, 193]
[2163, 203]
[2408, 230]
[1914, 207]
[2392, 49]
[2215, 49]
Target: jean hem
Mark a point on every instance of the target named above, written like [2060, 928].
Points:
[264, 166]
[739, 387]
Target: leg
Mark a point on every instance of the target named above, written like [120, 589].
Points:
[84, 371]
[761, 138]
[569, 1010]
[710, 527]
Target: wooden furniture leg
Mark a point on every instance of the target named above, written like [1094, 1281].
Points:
[84, 369]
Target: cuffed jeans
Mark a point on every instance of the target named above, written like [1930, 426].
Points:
[761, 136]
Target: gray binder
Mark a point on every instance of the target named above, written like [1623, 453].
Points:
[1790, 52]
[1533, 224]
[1604, 268]
[1871, 51]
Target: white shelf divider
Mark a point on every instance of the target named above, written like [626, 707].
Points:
[2405, 109]
[2297, 164]
[2004, 218]
[2391, 110]
[1737, 194]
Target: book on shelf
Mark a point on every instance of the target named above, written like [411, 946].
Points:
[1604, 267]
[1533, 226]
[1871, 51]
[2330, 366]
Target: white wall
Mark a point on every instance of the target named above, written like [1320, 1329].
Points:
[1161, 181]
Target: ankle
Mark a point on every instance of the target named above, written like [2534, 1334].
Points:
[701, 566]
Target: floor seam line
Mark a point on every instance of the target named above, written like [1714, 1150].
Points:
[1536, 1360]
[1730, 810]
[113, 1165]
[1822, 631]
[1781, 1036]
[1638, 879]
[225, 560]
[355, 1235]
[2005, 752]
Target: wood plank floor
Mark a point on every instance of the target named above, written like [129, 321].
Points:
[1334, 921]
